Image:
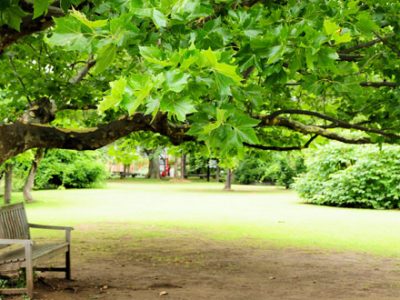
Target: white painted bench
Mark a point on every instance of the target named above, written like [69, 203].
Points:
[14, 231]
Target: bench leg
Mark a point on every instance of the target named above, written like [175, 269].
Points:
[68, 255]
[29, 270]
[68, 264]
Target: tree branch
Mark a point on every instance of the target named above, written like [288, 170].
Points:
[18, 137]
[312, 129]
[380, 84]
[83, 72]
[277, 148]
[364, 45]
[337, 123]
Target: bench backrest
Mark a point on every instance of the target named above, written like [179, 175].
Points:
[13, 222]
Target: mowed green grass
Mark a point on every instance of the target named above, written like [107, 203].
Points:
[254, 215]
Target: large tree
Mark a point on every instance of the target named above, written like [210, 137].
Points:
[230, 74]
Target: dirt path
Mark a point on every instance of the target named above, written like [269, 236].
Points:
[198, 268]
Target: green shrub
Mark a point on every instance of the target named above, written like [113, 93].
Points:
[352, 176]
[273, 167]
[70, 169]
[251, 170]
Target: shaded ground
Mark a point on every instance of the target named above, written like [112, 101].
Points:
[186, 267]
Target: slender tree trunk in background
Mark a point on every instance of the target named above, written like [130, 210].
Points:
[228, 182]
[208, 170]
[8, 183]
[30, 180]
[183, 166]
[126, 170]
[154, 167]
[217, 171]
[176, 168]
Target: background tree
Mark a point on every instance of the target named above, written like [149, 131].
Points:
[30, 179]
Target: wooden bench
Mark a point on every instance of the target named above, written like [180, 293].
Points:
[17, 250]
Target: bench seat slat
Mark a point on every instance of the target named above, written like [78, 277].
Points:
[38, 251]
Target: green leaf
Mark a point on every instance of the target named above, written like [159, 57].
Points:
[152, 105]
[208, 58]
[330, 27]
[115, 96]
[178, 107]
[154, 55]
[341, 38]
[140, 87]
[84, 20]
[228, 71]
[175, 80]
[105, 57]
[223, 84]
[68, 34]
[159, 19]
[275, 54]
[40, 7]
[365, 23]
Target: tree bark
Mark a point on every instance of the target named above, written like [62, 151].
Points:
[228, 182]
[30, 180]
[154, 167]
[8, 183]
[183, 166]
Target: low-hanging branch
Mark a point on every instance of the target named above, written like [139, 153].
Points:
[18, 137]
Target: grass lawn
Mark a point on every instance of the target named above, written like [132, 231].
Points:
[250, 214]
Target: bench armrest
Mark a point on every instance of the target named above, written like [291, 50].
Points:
[66, 228]
[50, 227]
[15, 241]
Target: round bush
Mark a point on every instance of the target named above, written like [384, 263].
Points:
[352, 176]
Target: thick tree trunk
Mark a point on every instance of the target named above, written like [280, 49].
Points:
[30, 180]
[183, 166]
[228, 182]
[8, 183]
[154, 167]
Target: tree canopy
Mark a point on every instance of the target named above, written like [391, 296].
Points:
[230, 74]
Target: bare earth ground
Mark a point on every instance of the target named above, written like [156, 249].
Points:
[184, 266]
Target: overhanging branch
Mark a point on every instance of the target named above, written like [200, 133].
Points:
[18, 137]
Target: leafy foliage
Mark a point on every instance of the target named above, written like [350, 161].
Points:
[365, 177]
[70, 169]
[277, 168]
